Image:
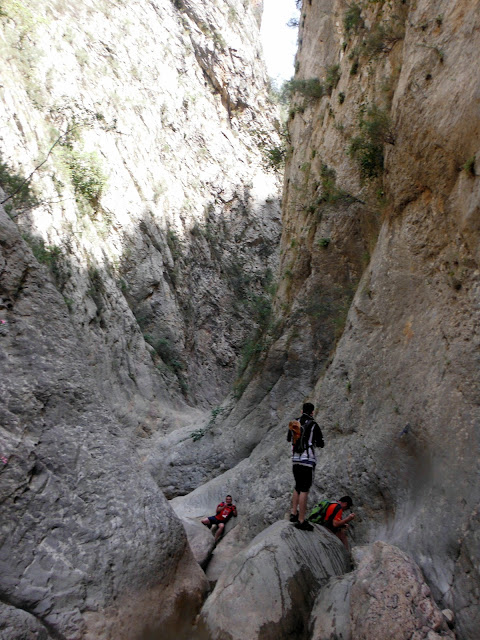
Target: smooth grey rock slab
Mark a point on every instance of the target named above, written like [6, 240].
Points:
[227, 548]
[268, 589]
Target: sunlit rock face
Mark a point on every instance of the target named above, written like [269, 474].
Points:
[155, 199]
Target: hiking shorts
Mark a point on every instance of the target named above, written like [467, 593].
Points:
[303, 477]
[213, 520]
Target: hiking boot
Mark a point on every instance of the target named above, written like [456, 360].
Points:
[294, 517]
[304, 526]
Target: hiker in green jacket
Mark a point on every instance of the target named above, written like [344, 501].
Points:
[330, 515]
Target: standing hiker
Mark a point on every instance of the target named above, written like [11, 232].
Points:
[225, 510]
[304, 434]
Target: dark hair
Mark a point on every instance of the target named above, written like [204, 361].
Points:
[308, 408]
[228, 495]
[348, 500]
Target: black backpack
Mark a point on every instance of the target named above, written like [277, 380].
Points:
[303, 442]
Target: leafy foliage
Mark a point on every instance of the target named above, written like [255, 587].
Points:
[367, 148]
[51, 256]
[20, 194]
[332, 78]
[86, 176]
[352, 20]
[311, 88]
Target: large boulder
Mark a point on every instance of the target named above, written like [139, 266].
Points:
[331, 613]
[268, 589]
[391, 600]
[15, 623]
[385, 597]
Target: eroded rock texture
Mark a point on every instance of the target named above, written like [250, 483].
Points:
[390, 599]
[385, 597]
[152, 124]
[150, 213]
[154, 240]
[87, 538]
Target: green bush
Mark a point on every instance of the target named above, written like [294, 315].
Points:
[275, 157]
[469, 166]
[311, 88]
[51, 256]
[330, 192]
[367, 148]
[332, 78]
[382, 38]
[174, 244]
[167, 352]
[352, 20]
[86, 175]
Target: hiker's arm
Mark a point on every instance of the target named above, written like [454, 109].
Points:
[318, 437]
[342, 523]
[234, 512]
[220, 507]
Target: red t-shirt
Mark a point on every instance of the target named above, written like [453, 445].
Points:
[226, 512]
[338, 515]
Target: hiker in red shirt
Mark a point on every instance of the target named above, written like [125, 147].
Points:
[338, 524]
[225, 510]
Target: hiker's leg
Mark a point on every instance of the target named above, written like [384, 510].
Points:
[219, 532]
[342, 535]
[206, 522]
[302, 505]
[295, 498]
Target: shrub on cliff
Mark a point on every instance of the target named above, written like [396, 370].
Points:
[367, 148]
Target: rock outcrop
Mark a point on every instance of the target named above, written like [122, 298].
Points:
[267, 590]
[153, 225]
[149, 212]
[147, 129]
[385, 597]
[88, 541]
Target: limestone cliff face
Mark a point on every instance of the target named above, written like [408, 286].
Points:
[133, 269]
[87, 539]
[378, 291]
[161, 222]
[400, 399]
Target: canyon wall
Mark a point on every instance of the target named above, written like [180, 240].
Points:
[135, 264]
[149, 128]
[156, 339]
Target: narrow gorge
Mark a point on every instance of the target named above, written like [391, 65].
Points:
[182, 266]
